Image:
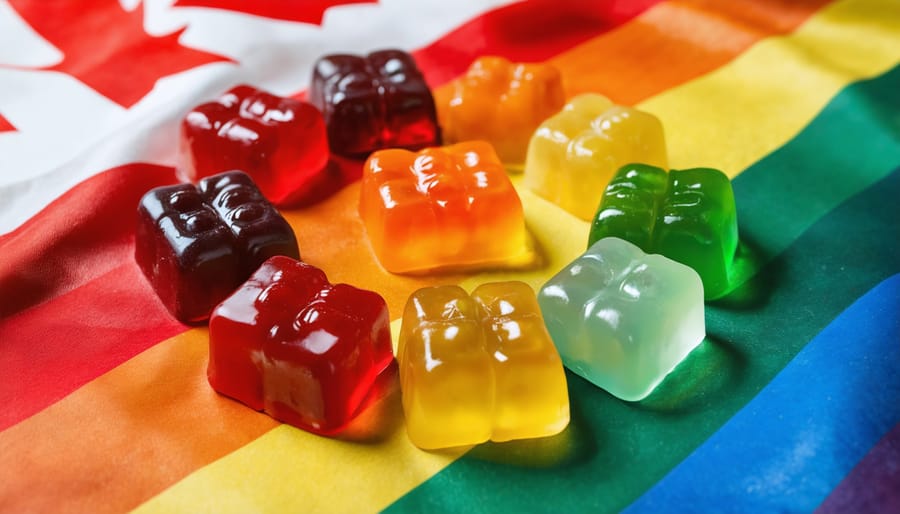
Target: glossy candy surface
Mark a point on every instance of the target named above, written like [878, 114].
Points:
[442, 207]
[574, 154]
[624, 319]
[197, 244]
[687, 215]
[280, 142]
[291, 344]
[500, 102]
[479, 367]
[376, 101]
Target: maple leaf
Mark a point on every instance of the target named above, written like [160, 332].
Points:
[106, 48]
[304, 11]
[5, 125]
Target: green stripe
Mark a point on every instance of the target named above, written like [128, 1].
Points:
[789, 202]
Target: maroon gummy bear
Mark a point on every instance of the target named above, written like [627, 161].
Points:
[303, 350]
[196, 245]
[373, 102]
[280, 142]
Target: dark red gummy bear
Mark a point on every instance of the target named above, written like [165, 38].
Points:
[305, 351]
[280, 142]
[196, 245]
[373, 102]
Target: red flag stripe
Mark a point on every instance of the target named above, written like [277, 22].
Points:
[305, 11]
[74, 305]
[81, 235]
[5, 125]
[54, 348]
[527, 32]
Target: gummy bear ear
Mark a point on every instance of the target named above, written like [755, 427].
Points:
[160, 200]
[594, 271]
[589, 105]
[288, 282]
[615, 254]
[210, 186]
[641, 281]
[234, 96]
[442, 303]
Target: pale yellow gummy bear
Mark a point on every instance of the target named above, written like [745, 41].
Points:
[574, 154]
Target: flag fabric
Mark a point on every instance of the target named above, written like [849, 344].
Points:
[790, 403]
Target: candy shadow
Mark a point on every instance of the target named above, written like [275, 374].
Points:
[752, 288]
[539, 258]
[715, 365]
[339, 172]
[380, 414]
[577, 443]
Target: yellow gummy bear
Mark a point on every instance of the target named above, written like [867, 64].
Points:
[574, 154]
[479, 367]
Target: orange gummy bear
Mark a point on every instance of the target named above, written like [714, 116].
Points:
[446, 207]
[500, 102]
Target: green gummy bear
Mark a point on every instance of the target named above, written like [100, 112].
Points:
[686, 215]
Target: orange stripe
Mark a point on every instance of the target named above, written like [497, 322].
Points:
[125, 436]
[674, 42]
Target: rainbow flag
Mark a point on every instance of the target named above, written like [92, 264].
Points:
[791, 404]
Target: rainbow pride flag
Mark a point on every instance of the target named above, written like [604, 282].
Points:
[791, 404]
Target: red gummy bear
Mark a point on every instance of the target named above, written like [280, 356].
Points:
[305, 351]
[373, 102]
[196, 245]
[280, 142]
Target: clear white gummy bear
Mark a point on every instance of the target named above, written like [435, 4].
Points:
[624, 319]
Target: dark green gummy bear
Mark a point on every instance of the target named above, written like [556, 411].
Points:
[686, 215]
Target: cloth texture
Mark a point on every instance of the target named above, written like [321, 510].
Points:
[790, 404]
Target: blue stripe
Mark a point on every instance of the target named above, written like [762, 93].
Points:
[794, 442]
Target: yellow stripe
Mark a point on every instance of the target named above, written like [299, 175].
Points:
[727, 119]
[288, 470]
[732, 117]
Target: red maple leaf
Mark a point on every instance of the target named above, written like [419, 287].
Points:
[5, 125]
[305, 11]
[106, 47]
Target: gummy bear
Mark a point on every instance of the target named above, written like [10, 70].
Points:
[500, 102]
[574, 154]
[280, 142]
[373, 102]
[479, 367]
[623, 319]
[197, 244]
[687, 215]
[306, 352]
[442, 207]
